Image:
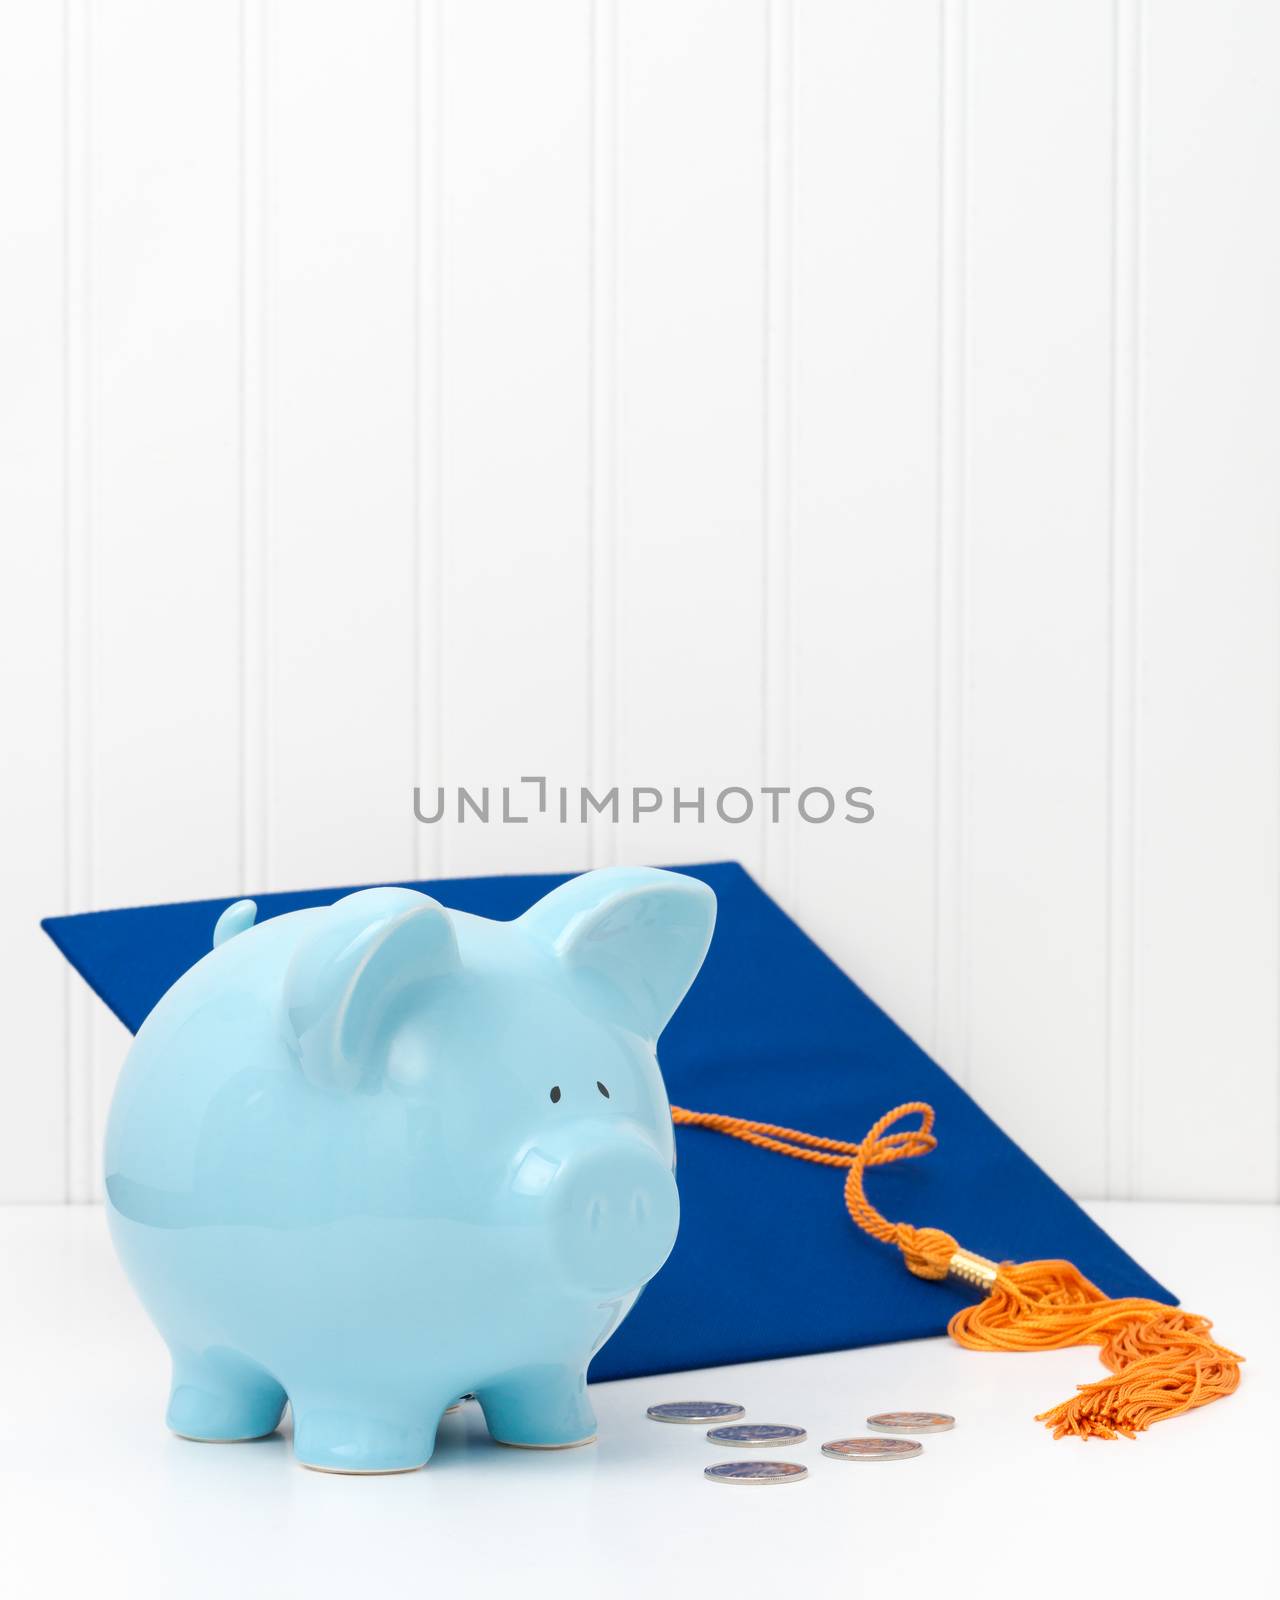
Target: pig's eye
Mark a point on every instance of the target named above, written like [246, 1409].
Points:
[555, 1095]
[602, 1089]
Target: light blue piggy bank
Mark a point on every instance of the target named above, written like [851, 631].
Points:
[371, 1157]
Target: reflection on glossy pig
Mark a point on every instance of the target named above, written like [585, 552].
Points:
[369, 1157]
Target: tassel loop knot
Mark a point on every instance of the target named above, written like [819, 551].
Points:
[928, 1252]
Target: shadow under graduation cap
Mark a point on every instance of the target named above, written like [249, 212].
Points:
[767, 1262]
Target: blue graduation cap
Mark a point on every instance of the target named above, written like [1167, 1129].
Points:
[767, 1263]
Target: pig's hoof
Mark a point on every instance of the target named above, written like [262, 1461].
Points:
[333, 1441]
[543, 1408]
[571, 1444]
[220, 1414]
[221, 1438]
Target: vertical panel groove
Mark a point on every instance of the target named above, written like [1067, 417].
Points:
[254, 706]
[950, 1001]
[79, 581]
[1122, 1125]
[428, 532]
[601, 583]
[268, 595]
[437, 421]
[267, 576]
[778, 455]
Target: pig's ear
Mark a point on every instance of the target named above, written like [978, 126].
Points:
[348, 979]
[633, 936]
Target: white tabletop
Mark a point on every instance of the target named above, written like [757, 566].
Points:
[96, 1498]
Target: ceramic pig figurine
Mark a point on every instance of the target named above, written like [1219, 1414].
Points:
[371, 1157]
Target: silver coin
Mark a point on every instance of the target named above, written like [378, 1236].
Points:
[757, 1433]
[757, 1472]
[695, 1411]
[872, 1449]
[911, 1422]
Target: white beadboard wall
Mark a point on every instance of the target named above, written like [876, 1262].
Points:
[666, 391]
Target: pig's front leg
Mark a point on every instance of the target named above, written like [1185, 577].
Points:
[344, 1431]
[539, 1408]
[219, 1395]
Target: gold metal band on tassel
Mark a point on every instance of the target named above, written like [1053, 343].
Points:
[974, 1269]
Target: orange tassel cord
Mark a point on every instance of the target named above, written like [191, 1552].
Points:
[1162, 1360]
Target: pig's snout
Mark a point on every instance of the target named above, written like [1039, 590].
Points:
[617, 1215]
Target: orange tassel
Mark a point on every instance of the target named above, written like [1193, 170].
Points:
[1162, 1360]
